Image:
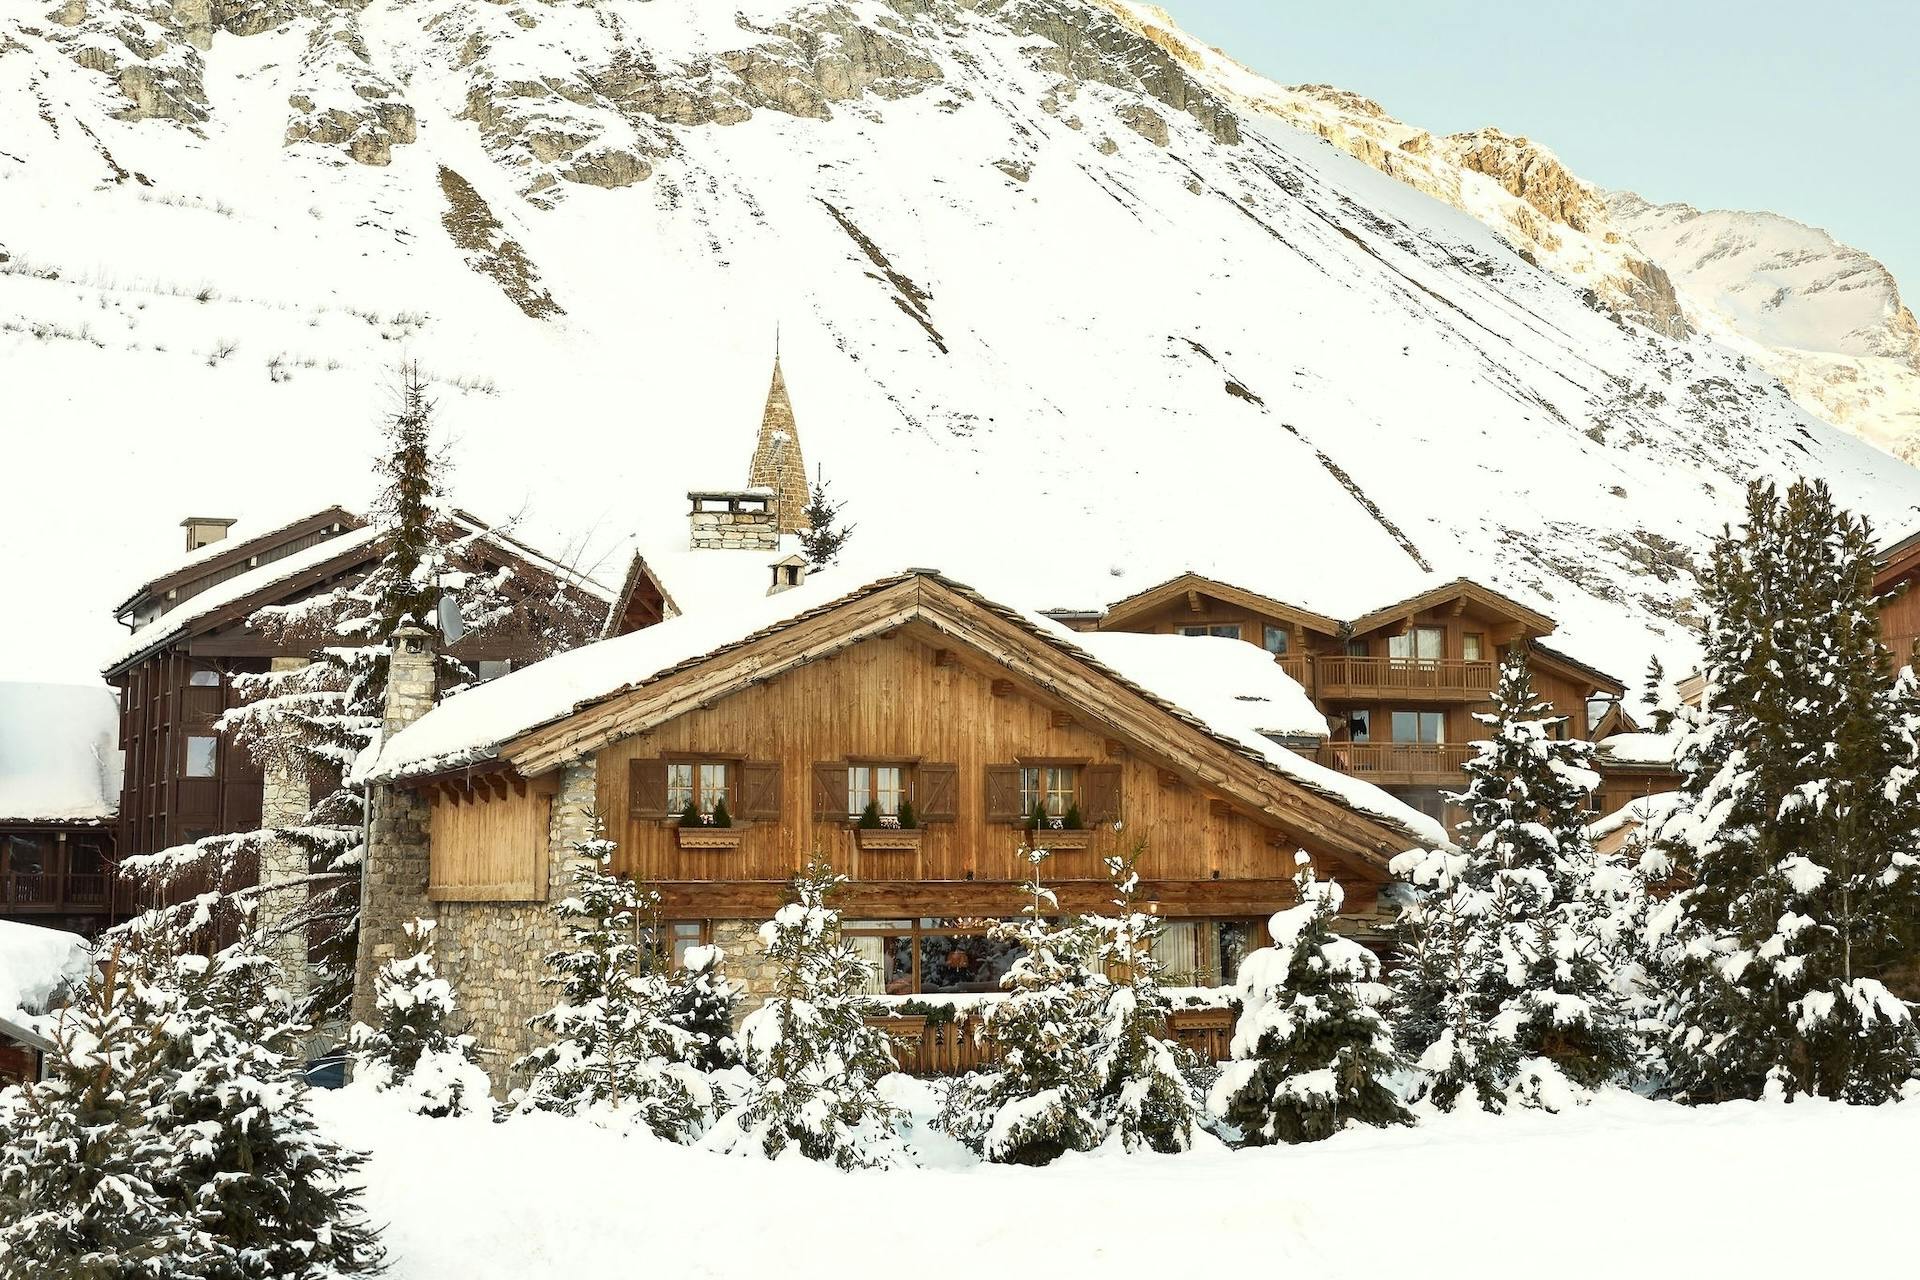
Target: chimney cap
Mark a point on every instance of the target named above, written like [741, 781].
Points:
[220, 522]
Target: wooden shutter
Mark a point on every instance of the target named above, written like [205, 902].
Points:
[647, 789]
[759, 791]
[830, 791]
[1003, 793]
[1100, 794]
[937, 792]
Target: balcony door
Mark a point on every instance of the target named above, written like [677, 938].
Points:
[1418, 644]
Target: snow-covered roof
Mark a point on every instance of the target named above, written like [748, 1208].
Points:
[228, 546]
[59, 753]
[1246, 698]
[176, 621]
[39, 969]
[1635, 813]
[710, 578]
[1649, 749]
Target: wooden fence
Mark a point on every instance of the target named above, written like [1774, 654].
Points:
[928, 1047]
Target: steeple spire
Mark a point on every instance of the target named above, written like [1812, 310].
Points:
[777, 462]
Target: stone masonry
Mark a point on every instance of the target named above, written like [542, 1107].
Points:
[285, 797]
[393, 884]
[777, 462]
[747, 964]
[745, 523]
[494, 953]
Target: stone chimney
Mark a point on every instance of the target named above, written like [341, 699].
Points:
[788, 573]
[733, 520]
[777, 462]
[393, 883]
[202, 530]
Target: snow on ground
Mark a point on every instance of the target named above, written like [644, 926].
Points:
[1622, 1187]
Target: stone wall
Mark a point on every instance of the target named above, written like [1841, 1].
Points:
[747, 964]
[493, 953]
[733, 531]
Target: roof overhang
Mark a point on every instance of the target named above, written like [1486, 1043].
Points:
[1461, 592]
[1194, 584]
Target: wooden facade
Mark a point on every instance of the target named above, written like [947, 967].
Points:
[61, 875]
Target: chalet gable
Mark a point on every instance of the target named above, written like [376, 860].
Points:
[1198, 593]
[1460, 598]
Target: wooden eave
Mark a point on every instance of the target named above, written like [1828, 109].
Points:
[1052, 667]
[1898, 563]
[1571, 665]
[637, 572]
[1122, 611]
[242, 550]
[1462, 591]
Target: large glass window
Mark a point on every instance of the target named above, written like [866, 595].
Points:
[1225, 630]
[1276, 638]
[1238, 940]
[1360, 725]
[700, 783]
[1473, 647]
[881, 785]
[1424, 644]
[1420, 726]
[1048, 787]
[202, 754]
[932, 956]
[202, 678]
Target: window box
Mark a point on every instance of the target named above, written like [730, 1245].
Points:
[1058, 838]
[897, 839]
[710, 837]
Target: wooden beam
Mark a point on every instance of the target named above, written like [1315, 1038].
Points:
[1003, 688]
[1193, 602]
[944, 658]
[1062, 719]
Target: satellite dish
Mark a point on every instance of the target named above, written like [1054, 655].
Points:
[452, 626]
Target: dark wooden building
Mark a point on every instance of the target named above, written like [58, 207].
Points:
[59, 795]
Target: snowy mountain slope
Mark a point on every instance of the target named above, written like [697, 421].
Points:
[1049, 297]
[1826, 318]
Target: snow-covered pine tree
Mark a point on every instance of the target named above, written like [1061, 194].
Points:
[1145, 1098]
[824, 536]
[1038, 1101]
[1796, 833]
[702, 1005]
[815, 1064]
[1313, 1052]
[86, 1171]
[314, 721]
[413, 1050]
[272, 1194]
[612, 1044]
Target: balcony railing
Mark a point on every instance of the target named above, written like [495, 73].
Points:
[1337, 675]
[950, 1048]
[45, 889]
[1402, 762]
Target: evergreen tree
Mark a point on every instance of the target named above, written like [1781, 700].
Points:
[315, 721]
[1040, 1099]
[1145, 1098]
[1797, 830]
[1313, 1052]
[86, 1171]
[702, 1005]
[815, 1064]
[413, 1050]
[612, 1042]
[824, 535]
[269, 1191]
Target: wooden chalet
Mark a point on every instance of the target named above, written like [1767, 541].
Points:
[1400, 685]
[190, 639]
[1895, 573]
[59, 796]
[800, 710]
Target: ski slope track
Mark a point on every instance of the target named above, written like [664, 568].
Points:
[1054, 295]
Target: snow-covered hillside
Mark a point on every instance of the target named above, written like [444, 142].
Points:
[1051, 293]
[1823, 316]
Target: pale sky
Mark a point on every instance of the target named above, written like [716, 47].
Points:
[1807, 110]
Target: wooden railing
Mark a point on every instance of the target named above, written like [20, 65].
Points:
[46, 889]
[1336, 673]
[954, 1047]
[1297, 665]
[1412, 759]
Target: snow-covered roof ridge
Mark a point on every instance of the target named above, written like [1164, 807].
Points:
[39, 969]
[59, 753]
[212, 552]
[1240, 703]
[1651, 749]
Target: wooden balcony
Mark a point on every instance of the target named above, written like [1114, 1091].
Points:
[1402, 764]
[38, 891]
[1402, 679]
[924, 1047]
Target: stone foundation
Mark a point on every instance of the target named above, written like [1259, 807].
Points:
[747, 965]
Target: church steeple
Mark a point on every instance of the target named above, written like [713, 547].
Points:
[777, 462]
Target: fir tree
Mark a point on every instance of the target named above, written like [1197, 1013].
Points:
[86, 1171]
[1039, 1100]
[814, 1063]
[413, 1050]
[824, 536]
[1145, 1099]
[1797, 828]
[272, 1194]
[702, 1005]
[612, 1041]
[1313, 1052]
[315, 721]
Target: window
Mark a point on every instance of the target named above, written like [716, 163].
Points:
[1473, 647]
[1051, 787]
[1181, 951]
[1420, 644]
[1238, 939]
[491, 669]
[938, 957]
[677, 937]
[881, 785]
[1360, 726]
[1358, 649]
[700, 783]
[202, 754]
[1420, 726]
[1225, 630]
[1276, 640]
[1431, 801]
[204, 679]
